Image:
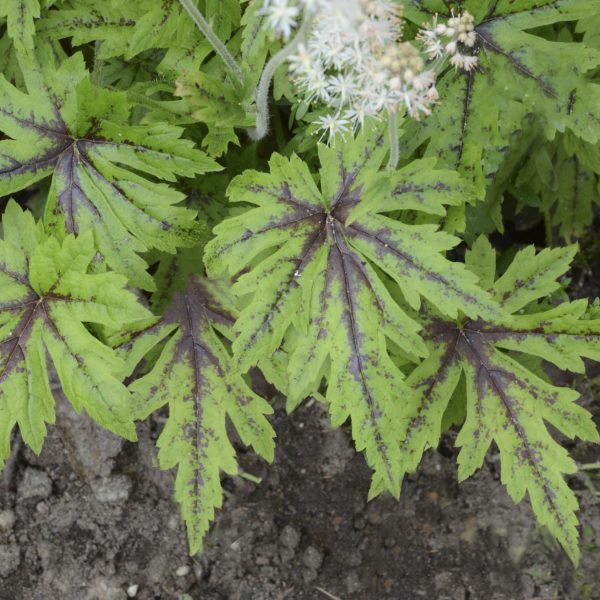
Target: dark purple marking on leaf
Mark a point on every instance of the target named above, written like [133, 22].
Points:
[194, 312]
[12, 349]
[488, 41]
[448, 360]
[384, 244]
[467, 100]
[310, 247]
[409, 187]
[345, 267]
[194, 307]
[72, 196]
[469, 342]
[346, 197]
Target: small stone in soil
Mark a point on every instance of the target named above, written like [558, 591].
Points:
[35, 484]
[290, 538]
[312, 558]
[10, 559]
[114, 489]
[7, 520]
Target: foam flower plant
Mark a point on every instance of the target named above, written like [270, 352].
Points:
[342, 261]
[349, 58]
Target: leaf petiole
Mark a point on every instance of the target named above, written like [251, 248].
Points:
[210, 35]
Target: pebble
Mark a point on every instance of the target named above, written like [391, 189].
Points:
[42, 508]
[10, 559]
[312, 558]
[7, 520]
[289, 537]
[35, 484]
[353, 583]
[182, 571]
[132, 590]
[115, 489]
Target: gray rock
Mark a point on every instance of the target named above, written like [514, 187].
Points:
[337, 453]
[115, 489]
[10, 559]
[290, 538]
[7, 520]
[35, 484]
[353, 583]
[312, 558]
[90, 448]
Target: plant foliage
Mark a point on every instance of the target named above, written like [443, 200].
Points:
[137, 279]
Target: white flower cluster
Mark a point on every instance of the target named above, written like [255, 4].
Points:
[460, 31]
[352, 58]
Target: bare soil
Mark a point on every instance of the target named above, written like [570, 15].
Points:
[91, 518]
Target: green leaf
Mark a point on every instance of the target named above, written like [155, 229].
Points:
[561, 178]
[20, 15]
[313, 264]
[106, 173]
[129, 29]
[507, 403]
[194, 376]
[47, 297]
[520, 75]
[220, 104]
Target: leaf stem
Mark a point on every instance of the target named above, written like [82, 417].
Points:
[590, 467]
[393, 135]
[218, 46]
[262, 92]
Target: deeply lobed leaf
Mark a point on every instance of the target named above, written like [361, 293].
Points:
[315, 263]
[194, 376]
[106, 173]
[506, 403]
[47, 296]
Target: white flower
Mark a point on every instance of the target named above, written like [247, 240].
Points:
[463, 61]
[282, 16]
[459, 32]
[353, 59]
[332, 125]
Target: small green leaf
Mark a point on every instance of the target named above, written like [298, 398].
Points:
[47, 297]
[106, 173]
[20, 16]
[194, 376]
[506, 402]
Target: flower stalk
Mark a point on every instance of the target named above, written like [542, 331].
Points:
[393, 140]
[218, 46]
[262, 91]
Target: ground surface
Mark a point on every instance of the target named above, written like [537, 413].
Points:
[91, 518]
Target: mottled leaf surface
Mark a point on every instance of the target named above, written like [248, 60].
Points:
[107, 175]
[222, 105]
[20, 16]
[561, 179]
[128, 29]
[194, 376]
[47, 296]
[506, 403]
[313, 259]
[520, 74]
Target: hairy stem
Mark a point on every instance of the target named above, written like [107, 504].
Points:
[262, 92]
[209, 34]
[393, 135]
